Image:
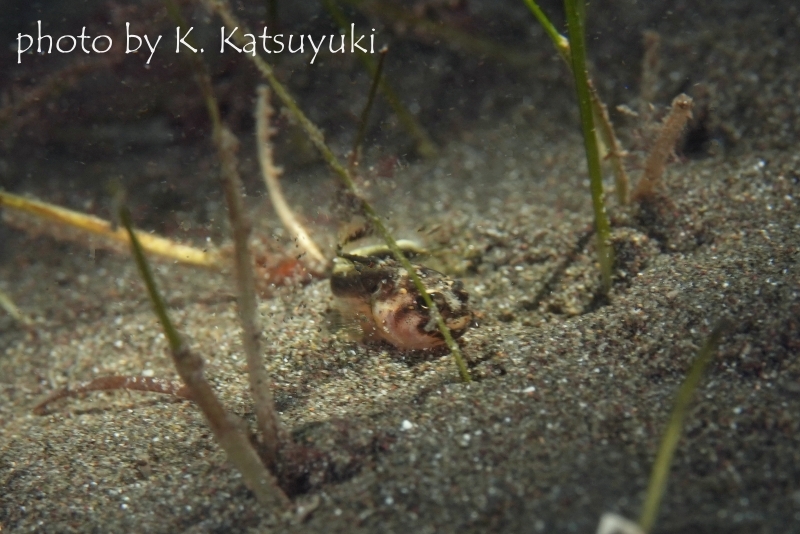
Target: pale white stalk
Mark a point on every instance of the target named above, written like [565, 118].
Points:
[271, 173]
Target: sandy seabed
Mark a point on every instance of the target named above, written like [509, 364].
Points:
[572, 393]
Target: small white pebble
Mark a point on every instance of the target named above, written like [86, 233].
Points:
[406, 425]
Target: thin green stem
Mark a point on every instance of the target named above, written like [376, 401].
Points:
[173, 337]
[362, 123]
[425, 145]
[606, 129]
[575, 21]
[561, 43]
[672, 433]
[190, 368]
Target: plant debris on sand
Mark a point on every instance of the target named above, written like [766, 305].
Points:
[570, 399]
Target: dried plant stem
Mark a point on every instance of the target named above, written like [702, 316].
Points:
[117, 382]
[189, 365]
[260, 383]
[226, 145]
[112, 236]
[651, 65]
[271, 174]
[316, 138]
[425, 145]
[672, 433]
[575, 20]
[615, 152]
[656, 161]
